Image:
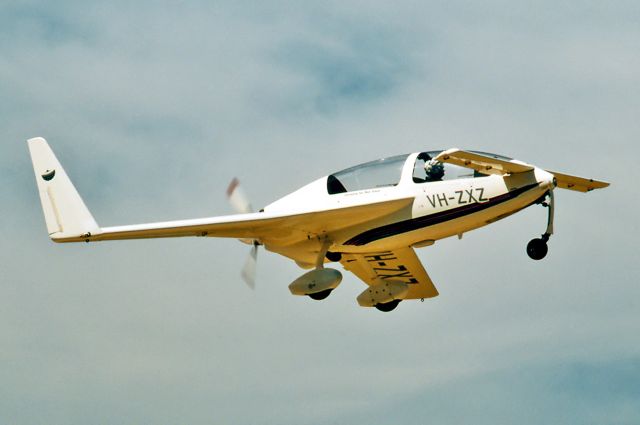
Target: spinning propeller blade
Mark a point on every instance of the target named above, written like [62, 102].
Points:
[237, 198]
[249, 269]
[240, 203]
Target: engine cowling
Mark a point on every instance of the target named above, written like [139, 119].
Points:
[316, 281]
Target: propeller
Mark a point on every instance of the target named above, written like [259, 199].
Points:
[240, 203]
[237, 198]
[249, 269]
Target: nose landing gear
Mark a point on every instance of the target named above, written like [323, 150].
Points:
[537, 248]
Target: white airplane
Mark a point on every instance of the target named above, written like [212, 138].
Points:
[369, 217]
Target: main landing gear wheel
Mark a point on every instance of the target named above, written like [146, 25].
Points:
[333, 256]
[386, 307]
[320, 295]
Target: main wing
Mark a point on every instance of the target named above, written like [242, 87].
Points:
[398, 265]
[250, 226]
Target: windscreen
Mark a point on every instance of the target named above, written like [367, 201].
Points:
[381, 173]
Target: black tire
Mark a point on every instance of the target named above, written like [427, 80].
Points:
[387, 307]
[537, 249]
[318, 296]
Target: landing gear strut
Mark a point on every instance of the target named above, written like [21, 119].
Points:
[331, 274]
[537, 248]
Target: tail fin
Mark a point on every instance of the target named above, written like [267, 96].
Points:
[65, 213]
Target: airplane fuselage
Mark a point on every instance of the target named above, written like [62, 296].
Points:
[440, 209]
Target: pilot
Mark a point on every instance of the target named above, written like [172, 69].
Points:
[434, 170]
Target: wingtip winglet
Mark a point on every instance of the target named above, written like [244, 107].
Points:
[66, 214]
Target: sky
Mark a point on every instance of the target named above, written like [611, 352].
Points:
[153, 107]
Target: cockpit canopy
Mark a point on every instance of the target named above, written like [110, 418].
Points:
[387, 172]
[380, 173]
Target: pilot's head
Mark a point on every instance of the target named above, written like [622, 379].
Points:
[434, 169]
[424, 156]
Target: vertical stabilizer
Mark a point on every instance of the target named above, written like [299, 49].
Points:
[64, 211]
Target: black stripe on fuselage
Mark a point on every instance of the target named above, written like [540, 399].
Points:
[431, 219]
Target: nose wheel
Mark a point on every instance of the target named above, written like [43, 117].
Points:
[537, 248]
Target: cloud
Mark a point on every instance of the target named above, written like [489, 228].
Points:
[154, 108]
[358, 65]
[561, 392]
